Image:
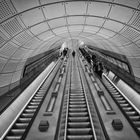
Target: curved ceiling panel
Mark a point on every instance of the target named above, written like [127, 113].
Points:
[30, 27]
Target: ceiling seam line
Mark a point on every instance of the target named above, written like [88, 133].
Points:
[127, 24]
[70, 1]
[24, 29]
[45, 17]
[112, 31]
[10, 59]
[105, 18]
[85, 17]
[66, 15]
[97, 17]
[10, 39]
[10, 72]
[54, 43]
[20, 17]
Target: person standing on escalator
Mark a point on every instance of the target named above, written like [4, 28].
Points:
[73, 53]
[100, 69]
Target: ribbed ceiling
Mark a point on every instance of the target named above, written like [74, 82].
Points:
[30, 27]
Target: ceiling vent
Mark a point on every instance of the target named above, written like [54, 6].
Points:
[12, 26]
[136, 20]
[131, 34]
[23, 37]
[6, 9]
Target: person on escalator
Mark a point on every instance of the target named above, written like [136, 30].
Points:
[100, 69]
[94, 61]
[73, 53]
[88, 58]
[95, 68]
[65, 52]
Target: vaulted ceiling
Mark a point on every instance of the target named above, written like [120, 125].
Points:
[30, 27]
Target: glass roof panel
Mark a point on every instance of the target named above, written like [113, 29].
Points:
[138, 43]
[121, 39]
[16, 76]
[120, 13]
[12, 26]
[107, 32]
[8, 49]
[64, 35]
[46, 35]
[32, 44]
[112, 25]
[76, 20]
[49, 1]
[91, 29]
[20, 65]
[60, 30]
[22, 5]
[57, 22]
[135, 20]
[73, 34]
[106, 0]
[6, 10]
[75, 28]
[131, 3]
[5, 79]
[10, 66]
[3, 38]
[39, 28]
[98, 9]
[85, 33]
[95, 21]
[3, 61]
[32, 17]
[28, 54]
[54, 10]
[76, 8]
[132, 49]
[103, 35]
[130, 33]
[23, 37]
[19, 53]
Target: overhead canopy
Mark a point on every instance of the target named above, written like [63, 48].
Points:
[30, 27]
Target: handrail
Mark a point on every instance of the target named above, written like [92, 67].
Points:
[138, 111]
[66, 123]
[10, 126]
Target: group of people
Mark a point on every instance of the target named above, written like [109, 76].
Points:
[97, 65]
[65, 51]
